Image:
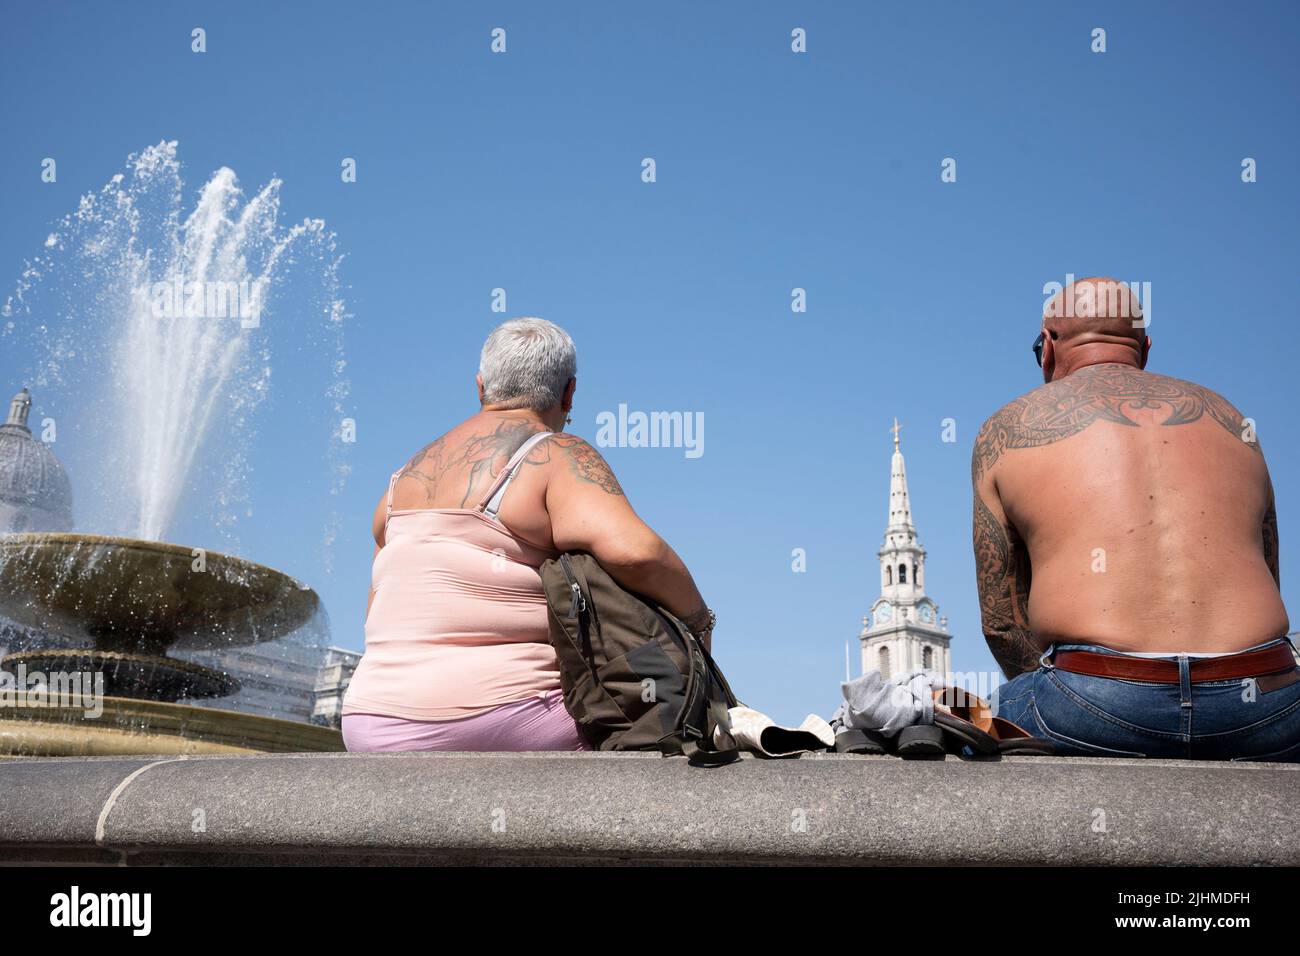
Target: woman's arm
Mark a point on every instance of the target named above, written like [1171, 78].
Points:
[589, 512]
[377, 522]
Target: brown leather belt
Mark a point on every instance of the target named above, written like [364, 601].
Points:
[1269, 660]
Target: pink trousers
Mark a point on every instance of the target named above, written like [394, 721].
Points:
[538, 723]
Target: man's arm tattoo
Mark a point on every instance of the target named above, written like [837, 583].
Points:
[1271, 549]
[1003, 576]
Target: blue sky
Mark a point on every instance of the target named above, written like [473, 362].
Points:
[775, 171]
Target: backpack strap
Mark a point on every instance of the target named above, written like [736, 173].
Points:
[696, 751]
[706, 752]
[699, 757]
[491, 502]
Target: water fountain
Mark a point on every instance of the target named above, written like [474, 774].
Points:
[139, 318]
[117, 606]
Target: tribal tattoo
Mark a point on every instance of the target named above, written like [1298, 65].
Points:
[1271, 545]
[1050, 414]
[1098, 393]
[1002, 566]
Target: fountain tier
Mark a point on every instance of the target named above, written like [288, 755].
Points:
[121, 604]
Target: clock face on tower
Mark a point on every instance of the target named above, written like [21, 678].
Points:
[884, 613]
[927, 614]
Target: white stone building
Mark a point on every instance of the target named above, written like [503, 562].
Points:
[904, 630]
[331, 683]
[35, 494]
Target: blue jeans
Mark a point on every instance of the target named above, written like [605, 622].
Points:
[1105, 717]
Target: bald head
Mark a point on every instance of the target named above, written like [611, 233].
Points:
[1090, 322]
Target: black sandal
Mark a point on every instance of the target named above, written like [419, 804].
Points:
[965, 721]
[959, 733]
[921, 742]
[863, 742]
[971, 724]
[1014, 741]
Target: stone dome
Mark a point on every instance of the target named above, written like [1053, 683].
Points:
[35, 494]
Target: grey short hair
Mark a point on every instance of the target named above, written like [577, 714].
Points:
[526, 363]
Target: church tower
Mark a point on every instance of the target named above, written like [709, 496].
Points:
[904, 631]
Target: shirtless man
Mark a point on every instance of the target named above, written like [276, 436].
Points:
[1126, 550]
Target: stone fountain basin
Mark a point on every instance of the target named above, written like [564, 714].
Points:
[126, 593]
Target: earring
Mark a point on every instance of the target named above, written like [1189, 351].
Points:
[568, 419]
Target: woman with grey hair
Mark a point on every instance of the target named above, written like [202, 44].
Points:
[457, 656]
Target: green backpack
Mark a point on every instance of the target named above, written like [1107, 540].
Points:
[634, 676]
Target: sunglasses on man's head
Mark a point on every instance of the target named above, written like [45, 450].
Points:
[1038, 349]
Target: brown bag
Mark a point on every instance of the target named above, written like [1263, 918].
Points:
[634, 676]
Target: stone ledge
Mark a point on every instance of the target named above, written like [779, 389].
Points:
[639, 808]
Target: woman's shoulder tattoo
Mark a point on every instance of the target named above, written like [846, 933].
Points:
[586, 463]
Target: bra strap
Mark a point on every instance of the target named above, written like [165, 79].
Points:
[491, 502]
[392, 484]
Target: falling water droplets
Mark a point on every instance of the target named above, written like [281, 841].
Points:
[165, 394]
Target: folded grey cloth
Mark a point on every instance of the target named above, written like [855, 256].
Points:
[758, 733]
[887, 706]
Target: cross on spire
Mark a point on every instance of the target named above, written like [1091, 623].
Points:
[896, 429]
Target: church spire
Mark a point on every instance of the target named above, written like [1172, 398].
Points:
[902, 559]
[900, 530]
[904, 630]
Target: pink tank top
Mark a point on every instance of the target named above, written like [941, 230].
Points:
[458, 621]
